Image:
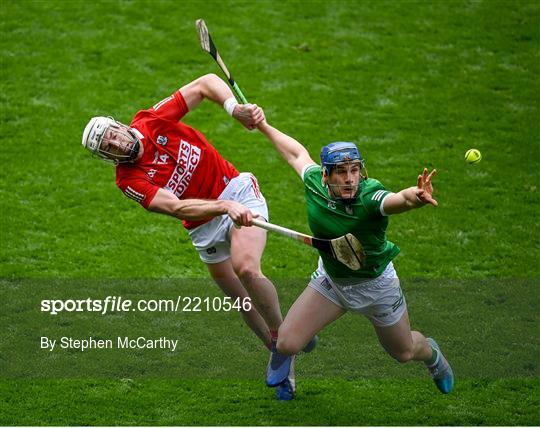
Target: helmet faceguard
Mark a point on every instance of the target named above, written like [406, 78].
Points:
[343, 157]
[111, 140]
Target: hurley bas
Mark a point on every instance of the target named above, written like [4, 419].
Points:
[120, 343]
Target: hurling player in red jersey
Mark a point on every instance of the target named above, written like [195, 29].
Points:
[170, 168]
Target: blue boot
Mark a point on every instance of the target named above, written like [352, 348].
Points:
[441, 372]
[285, 390]
[278, 367]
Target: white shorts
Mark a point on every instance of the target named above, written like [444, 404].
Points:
[212, 240]
[380, 299]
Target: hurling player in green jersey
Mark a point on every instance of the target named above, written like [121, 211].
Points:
[342, 199]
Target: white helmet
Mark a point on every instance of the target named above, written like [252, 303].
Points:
[110, 140]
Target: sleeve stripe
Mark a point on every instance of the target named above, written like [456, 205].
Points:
[158, 105]
[381, 207]
[133, 197]
[377, 196]
[132, 190]
[306, 168]
[132, 194]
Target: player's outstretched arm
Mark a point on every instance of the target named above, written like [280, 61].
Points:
[412, 197]
[291, 150]
[199, 209]
[211, 87]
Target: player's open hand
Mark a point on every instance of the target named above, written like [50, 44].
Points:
[249, 115]
[240, 214]
[425, 188]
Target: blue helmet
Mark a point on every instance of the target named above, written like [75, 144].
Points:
[338, 152]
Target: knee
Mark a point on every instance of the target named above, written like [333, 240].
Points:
[287, 345]
[248, 272]
[403, 356]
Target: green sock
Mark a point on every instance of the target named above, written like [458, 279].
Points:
[433, 358]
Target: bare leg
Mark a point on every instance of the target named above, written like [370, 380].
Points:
[308, 315]
[247, 245]
[402, 343]
[223, 274]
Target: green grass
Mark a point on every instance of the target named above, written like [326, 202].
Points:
[319, 402]
[413, 83]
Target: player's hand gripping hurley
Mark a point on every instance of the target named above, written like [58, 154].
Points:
[346, 249]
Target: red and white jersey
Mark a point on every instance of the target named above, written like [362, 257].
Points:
[176, 158]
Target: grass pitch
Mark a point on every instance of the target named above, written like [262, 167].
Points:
[413, 83]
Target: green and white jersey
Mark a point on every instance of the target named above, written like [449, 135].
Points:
[365, 219]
